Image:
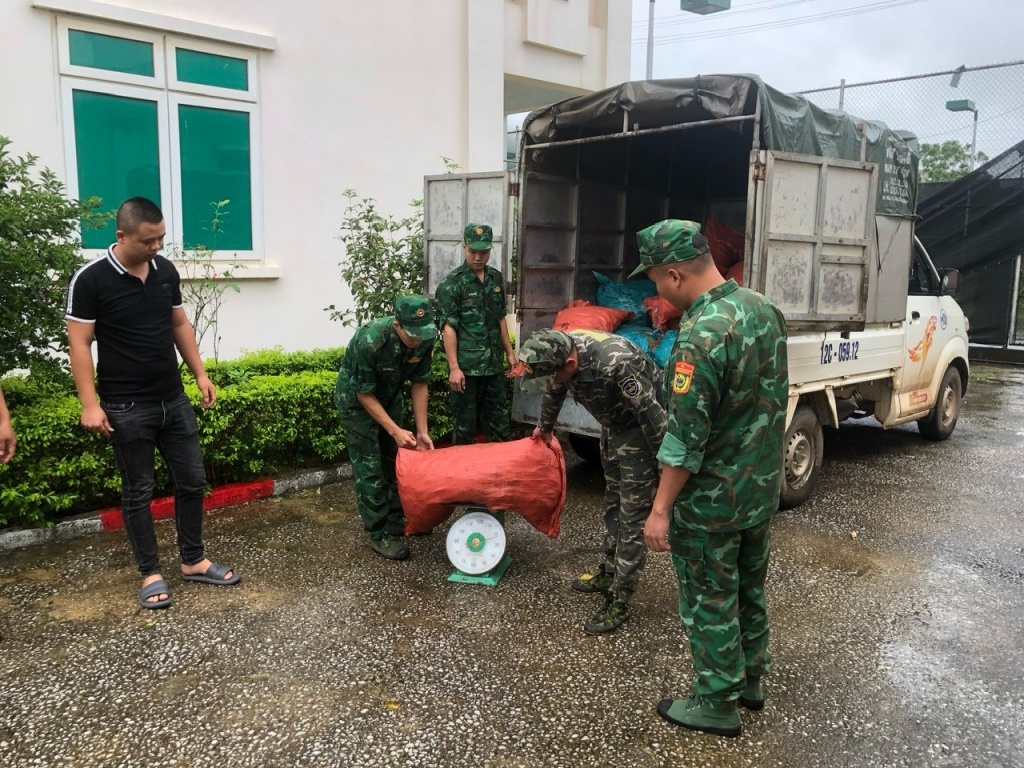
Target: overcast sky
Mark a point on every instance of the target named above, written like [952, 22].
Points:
[913, 37]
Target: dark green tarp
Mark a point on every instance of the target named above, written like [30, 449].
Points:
[789, 123]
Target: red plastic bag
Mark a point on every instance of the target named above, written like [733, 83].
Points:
[736, 272]
[581, 315]
[664, 316]
[525, 476]
[725, 242]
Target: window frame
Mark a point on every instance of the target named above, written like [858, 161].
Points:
[174, 100]
[69, 85]
[168, 92]
[65, 67]
[174, 84]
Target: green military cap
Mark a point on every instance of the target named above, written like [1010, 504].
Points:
[414, 314]
[478, 237]
[543, 355]
[669, 242]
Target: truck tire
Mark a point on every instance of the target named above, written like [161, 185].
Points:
[941, 420]
[802, 449]
[587, 448]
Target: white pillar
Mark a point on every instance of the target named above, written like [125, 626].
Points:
[485, 86]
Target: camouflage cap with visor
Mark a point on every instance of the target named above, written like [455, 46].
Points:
[543, 355]
[478, 237]
[415, 316]
[669, 242]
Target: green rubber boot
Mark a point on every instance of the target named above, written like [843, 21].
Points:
[753, 695]
[395, 527]
[613, 615]
[697, 713]
[389, 547]
[594, 583]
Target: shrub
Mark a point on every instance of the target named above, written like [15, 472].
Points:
[274, 412]
[39, 251]
[274, 362]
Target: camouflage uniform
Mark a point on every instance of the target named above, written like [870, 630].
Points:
[377, 362]
[474, 309]
[726, 390]
[619, 385]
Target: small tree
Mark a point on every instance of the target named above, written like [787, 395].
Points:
[383, 258]
[948, 161]
[204, 281]
[39, 252]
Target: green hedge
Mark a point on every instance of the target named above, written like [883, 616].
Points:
[274, 413]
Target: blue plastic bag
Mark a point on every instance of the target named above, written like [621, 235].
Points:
[644, 337]
[628, 296]
[663, 352]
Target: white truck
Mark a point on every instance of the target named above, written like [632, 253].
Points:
[826, 204]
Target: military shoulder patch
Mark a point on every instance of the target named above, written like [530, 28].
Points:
[630, 386]
[683, 378]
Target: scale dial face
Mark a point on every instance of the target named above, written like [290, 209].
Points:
[476, 543]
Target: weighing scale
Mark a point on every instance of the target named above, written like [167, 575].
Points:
[476, 547]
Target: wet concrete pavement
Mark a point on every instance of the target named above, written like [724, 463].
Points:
[903, 645]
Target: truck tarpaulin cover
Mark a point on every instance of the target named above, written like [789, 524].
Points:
[789, 123]
[525, 476]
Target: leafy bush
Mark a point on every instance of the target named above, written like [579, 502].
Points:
[274, 412]
[39, 251]
[261, 425]
[274, 362]
[383, 259]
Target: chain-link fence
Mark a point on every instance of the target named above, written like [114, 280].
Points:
[919, 104]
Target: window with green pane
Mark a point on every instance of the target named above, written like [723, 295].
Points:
[116, 146]
[119, 54]
[216, 165]
[211, 69]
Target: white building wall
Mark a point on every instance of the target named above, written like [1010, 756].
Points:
[367, 95]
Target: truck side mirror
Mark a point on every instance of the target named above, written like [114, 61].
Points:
[950, 282]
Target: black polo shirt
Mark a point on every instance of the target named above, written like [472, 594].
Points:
[134, 338]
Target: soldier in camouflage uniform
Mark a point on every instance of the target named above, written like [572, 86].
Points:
[382, 356]
[471, 311]
[618, 384]
[726, 390]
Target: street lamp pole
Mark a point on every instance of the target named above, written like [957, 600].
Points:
[966, 105]
[974, 140]
[650, 41]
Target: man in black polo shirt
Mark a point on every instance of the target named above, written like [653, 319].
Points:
[129, 301]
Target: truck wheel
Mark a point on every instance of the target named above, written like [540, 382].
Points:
[587, 448]
[802, 449]
[941, 420]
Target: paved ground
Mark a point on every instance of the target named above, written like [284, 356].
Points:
[901, 646]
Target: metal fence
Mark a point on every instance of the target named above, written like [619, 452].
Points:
[918, 104]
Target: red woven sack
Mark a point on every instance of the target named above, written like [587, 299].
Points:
[736, 272]
[581, 315]
[725, 242]
[664, 316]
[525, 476]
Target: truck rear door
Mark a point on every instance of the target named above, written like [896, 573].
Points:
[450, 202]
[815, 239]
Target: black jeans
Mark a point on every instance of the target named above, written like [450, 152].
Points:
[171, 427]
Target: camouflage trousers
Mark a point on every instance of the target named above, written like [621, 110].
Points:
[485, 403]
[630, 482]
[372, 452]
[722, 605]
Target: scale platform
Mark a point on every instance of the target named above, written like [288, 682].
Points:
[476, 547]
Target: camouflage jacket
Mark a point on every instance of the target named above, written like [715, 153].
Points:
[377, 362]
[474, 309]
[617, 384]
[727, 388]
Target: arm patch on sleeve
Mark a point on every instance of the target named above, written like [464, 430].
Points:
[683, 378]
[630, 386]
